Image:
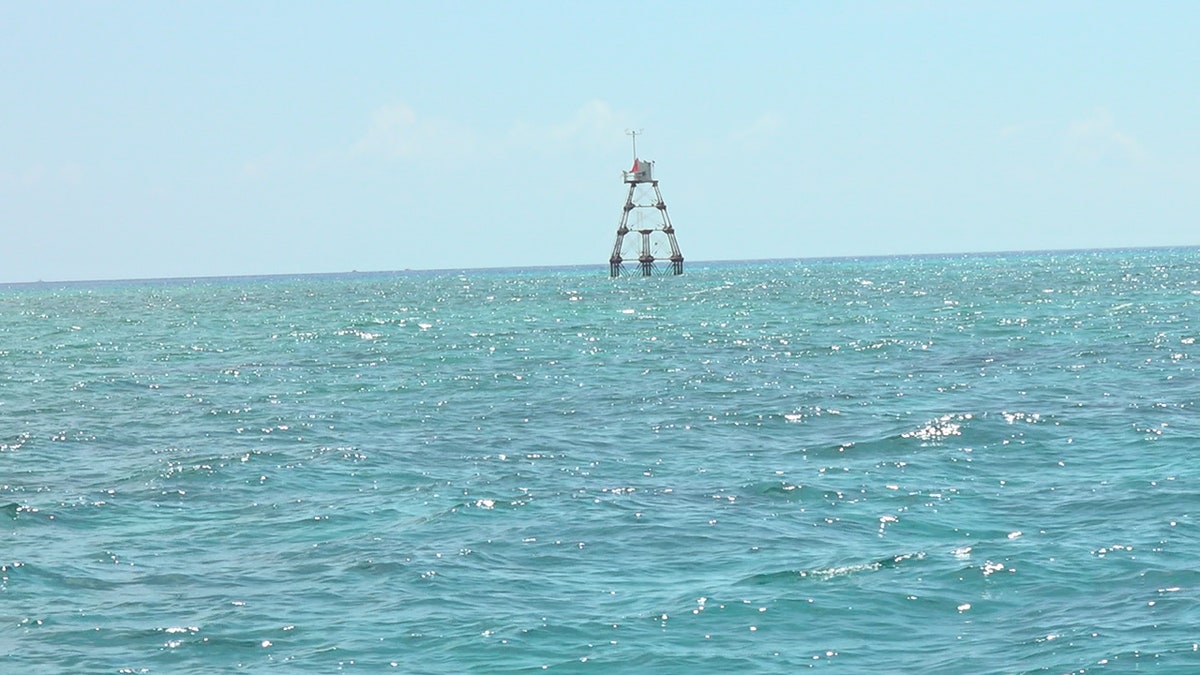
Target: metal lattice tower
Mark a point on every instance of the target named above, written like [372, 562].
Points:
[656, 240]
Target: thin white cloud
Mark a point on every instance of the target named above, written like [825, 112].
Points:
[1009, 131]
[397, 132]
[759, 131]
[594, 125]
[40, 176]
[254, 169]
[1097, 137]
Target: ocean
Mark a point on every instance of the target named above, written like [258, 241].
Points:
[943, 464]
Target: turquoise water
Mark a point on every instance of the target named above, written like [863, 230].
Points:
[950, 464]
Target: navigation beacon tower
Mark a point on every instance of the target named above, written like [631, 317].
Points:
[656, 240]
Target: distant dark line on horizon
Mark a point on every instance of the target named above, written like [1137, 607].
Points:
[598, 266]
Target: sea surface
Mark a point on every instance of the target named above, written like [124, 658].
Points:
[952, 464]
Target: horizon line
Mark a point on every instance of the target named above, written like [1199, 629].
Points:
[603, 266]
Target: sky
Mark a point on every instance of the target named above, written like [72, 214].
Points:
[212, 138]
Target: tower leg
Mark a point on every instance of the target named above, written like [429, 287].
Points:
[647, 258]
[614, 261]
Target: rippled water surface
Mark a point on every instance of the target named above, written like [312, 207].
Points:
[954, 464]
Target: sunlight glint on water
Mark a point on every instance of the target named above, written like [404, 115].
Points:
[953, 464]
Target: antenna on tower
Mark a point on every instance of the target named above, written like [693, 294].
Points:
[634, 133]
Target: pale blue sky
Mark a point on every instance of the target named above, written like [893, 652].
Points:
[156, 139]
